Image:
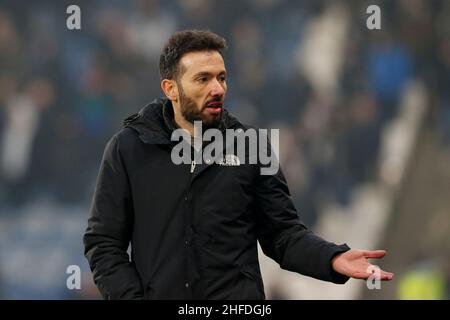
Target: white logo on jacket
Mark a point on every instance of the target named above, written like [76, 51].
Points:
[229, 160]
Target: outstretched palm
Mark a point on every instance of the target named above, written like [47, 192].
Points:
[354, 264]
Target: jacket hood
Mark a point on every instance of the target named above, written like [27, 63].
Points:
[155, 122]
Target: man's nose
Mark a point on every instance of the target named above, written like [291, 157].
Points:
[217, 88]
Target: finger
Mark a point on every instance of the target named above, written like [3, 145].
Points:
[361, 275]
[386, 276]
[375, 254]
[382, 275]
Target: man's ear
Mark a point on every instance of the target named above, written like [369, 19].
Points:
[170, 89]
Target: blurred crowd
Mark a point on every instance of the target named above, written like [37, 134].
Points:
[329, 86]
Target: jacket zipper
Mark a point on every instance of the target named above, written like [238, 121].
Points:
[188, 238]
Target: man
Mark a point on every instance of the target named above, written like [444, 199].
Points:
[194, 229]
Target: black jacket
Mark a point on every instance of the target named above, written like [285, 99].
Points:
[193, 235]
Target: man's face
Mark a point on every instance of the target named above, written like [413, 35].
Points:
[202, 87]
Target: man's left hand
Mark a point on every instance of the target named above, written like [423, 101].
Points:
[354, 264]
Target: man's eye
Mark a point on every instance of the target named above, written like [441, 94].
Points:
[223, 78]
[202, 79]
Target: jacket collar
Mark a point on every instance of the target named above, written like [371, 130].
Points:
[155, 122]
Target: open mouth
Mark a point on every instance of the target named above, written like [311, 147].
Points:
[214, 105]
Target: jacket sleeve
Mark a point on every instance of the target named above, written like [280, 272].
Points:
[284, 238]
[108, 233]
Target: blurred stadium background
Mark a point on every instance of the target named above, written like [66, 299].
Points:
[364, 118]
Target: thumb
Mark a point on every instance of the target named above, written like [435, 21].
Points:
[374, 254]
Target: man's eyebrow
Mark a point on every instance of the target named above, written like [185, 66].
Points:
[205, 73]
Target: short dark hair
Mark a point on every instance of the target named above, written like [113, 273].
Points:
[183, 42]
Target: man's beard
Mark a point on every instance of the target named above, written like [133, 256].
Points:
[191, 112]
